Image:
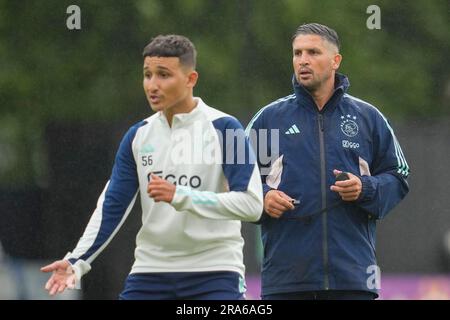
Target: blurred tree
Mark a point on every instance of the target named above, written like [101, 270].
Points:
[51, 73]
[54, 77]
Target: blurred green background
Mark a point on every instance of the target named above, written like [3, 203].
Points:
[67, 96]
[50, 73]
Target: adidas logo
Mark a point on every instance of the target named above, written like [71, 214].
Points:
[293, 130]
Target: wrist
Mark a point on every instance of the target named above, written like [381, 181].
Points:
[368, 188]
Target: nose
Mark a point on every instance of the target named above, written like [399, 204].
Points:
[304, 61]
[151, 84]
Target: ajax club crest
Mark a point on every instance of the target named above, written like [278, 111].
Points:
[349, 126]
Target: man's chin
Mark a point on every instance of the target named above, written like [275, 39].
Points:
[156, 108]
[308, 85]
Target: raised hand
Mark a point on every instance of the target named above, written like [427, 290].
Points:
[63, 277]
[160, 189]
[350, 189]
[276, 203]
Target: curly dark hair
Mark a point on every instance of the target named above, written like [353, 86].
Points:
[172, 46]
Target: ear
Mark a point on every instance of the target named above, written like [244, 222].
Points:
[192, 78]
[336, 61]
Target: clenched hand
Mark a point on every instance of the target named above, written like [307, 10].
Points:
[160, 189]
[350, 189]
[276, 203]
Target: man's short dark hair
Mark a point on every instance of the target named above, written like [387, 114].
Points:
[319, 29]
[172, 46]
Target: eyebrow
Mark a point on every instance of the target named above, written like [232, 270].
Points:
[312, 49]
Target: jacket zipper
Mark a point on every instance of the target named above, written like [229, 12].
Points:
[323, 181]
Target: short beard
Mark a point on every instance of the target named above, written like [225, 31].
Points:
[312, 87]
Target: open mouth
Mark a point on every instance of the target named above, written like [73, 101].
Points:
[154, 99]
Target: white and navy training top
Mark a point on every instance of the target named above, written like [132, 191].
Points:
[206, 155]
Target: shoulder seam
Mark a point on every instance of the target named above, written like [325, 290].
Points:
[402, 165]
[256, 116]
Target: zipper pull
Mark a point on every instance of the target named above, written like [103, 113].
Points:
[321, 126]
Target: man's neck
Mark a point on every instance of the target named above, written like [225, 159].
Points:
[323, 94]
[184, 106]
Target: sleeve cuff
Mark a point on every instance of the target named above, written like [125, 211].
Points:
[369, 187]
[266, 189]
[79, 267]
[180, 197]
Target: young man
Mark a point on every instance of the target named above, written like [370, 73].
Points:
[319, 232]
[194, 188]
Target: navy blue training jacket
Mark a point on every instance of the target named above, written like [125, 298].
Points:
[335, 249]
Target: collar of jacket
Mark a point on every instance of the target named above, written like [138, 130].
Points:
[184, 119]
[305, 100]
